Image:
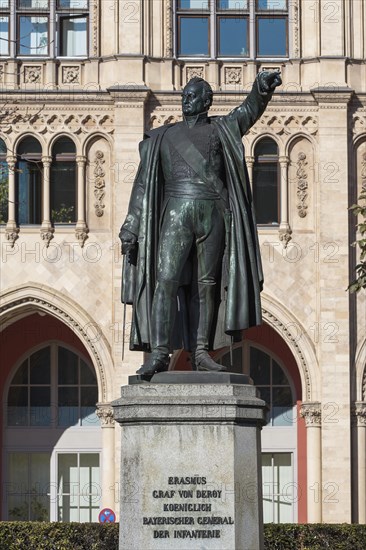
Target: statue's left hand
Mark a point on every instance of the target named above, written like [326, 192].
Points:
[269, 80]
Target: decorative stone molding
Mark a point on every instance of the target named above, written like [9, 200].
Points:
[71, 74]
[302, 185]
[99, 183]
[363, 172]
[312, 414]
[47, 234]
[285, 124]
[359, 414]
[284, 235]
[81, 234]
[2, 72]
[16, 121]
[286, 334]
[105, 414]
[11, 235]
[191, 72]
[162, 120]
[233, 75]
[296, 28]
[46, 301]
[95, 28]
[169, 28]
[32, 74]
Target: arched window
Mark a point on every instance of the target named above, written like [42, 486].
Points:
[279, 438]
[4, 183]
[63, 181]
[266, 182]
[29, 182]
[52, 472]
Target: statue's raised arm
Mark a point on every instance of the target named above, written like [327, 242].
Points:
[256, 101]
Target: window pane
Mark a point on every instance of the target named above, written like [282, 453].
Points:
[266, 147]
[33, 35]
[68, 487]
[4, 4]
[89, 398]
[193, 36]
[265, 192]
[87, 375]
[278, 376]
[72, 4]
[63, 192]
[193, 4]
[4, 35]
[18, 406]
[89, 486]
[237, 361]
[39, 486]
[34, 4]
[68, 409]
[271, 4]
[272, 36]
[73, 36]
[233, 36]
[232, 4]
[40, 406]
[282, 413]
[67, 367]
[40, 366]
[4, 190]
[259, 367]
[21, 376]
[29, 180]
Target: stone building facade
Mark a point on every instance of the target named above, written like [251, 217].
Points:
[80, 82]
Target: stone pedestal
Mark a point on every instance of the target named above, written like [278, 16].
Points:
[190, 463]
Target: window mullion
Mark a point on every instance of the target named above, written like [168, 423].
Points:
[12, 29]
[54, 386]
[52, 29]
[252, 29]
[213, 29]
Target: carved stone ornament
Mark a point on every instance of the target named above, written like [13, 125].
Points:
[233, 75]
[105, 414]
[285, 236]
[2, 73]
[47, 234]
[11, 234]
[302, 185]
[363, 172]
[285, 124]
[191, 72]
[33, 74]
[81, 233]
[359, 413]
[71, 75]
[99, 183]
[312, 414]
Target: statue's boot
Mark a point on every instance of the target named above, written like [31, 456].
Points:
[162, 320]
[200, 357]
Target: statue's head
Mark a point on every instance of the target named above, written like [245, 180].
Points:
[197, 97]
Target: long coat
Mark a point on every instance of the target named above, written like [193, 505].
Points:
[238, 306]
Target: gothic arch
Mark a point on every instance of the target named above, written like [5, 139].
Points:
[294, 333]
[19, 301]
[360, 368]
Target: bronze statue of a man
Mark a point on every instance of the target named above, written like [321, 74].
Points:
[194, 271]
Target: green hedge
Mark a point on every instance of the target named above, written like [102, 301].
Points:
[93, 536]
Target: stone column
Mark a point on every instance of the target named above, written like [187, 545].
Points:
[81, 230]
[190, 463]
[285, 230]
[46, 230]
[250, 163]
[11, 230]
[105, 413]
[360, 413]
[312, 414]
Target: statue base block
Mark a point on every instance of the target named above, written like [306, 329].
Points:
[190, 464]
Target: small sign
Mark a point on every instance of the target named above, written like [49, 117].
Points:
[107, 516]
